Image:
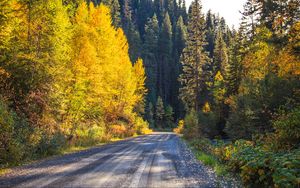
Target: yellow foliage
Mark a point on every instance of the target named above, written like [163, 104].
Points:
[206, 107]
[179, 129]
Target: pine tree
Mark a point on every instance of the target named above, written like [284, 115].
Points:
[194, 60]
[210, 33]
[220, 58]
[159, 112]
[233, 71]
[250, 17]
[179, 45]
[150, 115]
[168, 117]
[150, 56]
[165, 58]
[115, 11]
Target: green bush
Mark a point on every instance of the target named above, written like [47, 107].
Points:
[191, 130]
[208, 124]
[261, 168]
[287, 128]
[14, 134]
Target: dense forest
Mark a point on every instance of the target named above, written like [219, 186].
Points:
[75, 72]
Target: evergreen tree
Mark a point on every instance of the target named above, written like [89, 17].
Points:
[168, 117]
[194, 60]
[179, 45]
[159, 112]
[150, 115]
[150, 56]
[220, 58]
[250, 17]
[165, 58]
[234, 69]
[210, 33]
[115, 11]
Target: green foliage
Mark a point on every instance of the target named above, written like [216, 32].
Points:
[159, 112]
[195, 77]
[287, 131]
[191, 125]
[168, 117]
[207, 124]
[256, 166]
[13, 136]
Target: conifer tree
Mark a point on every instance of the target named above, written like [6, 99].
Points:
[165, 58]
[250, 17]
[159, 112]
[220, 58]
[233, 71]
[150, 56]
[168, 117]
[115, 11]
[194, 61]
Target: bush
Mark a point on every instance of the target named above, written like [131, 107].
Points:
[141, 126]
[287, 128]
[14, 137]
[258, 167]
[118, 130]
[191, 130]
[180, 128]
[207, 124]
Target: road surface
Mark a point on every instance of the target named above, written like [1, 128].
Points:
[156, 160]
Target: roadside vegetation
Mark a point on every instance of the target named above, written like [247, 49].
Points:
[246, 119]
[60, 85]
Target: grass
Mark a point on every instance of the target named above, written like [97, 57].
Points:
[211, 161]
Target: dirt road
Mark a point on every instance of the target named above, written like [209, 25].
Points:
[156, 160]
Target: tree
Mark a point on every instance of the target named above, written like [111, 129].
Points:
[150, 115]
[165, 58]
[150, 57]
[115, 11]
[220, 58]
[159, 112]
[194, 61]
[168, 117]
[250, 18]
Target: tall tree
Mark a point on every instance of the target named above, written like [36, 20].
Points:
[150, 57]
[179, 45]
[194, 60]
[250, 17]
[159, 112]
[165, 58]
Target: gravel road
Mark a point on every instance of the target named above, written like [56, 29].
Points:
[156, 160]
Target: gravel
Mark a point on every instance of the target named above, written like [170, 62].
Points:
[155, 160]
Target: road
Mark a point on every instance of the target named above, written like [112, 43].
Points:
[156, 160]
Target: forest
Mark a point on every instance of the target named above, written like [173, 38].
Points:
[78, 73]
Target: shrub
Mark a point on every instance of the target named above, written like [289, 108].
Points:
[287, 128]
[141, 126]
[191, 125]
[14, 137]
[118, 130]
[180, 128]
[207, 124]
[258, 167]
